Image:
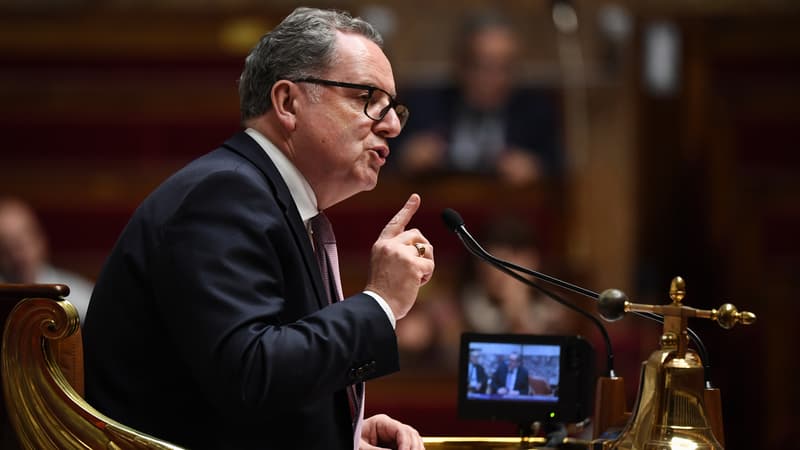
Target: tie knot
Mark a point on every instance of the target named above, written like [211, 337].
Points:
[322, 229]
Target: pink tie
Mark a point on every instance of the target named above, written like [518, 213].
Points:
[328, 261]
[327, 256]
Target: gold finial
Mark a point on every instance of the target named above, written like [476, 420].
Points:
[677, 290]
[727, 316]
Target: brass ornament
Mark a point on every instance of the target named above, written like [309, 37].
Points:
[44, 409]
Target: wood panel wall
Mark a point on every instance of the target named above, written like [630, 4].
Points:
[720, 205]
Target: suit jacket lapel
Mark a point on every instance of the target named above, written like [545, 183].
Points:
[245, 146]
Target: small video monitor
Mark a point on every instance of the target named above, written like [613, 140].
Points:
[525, 378]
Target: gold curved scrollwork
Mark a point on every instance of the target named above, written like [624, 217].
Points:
[44, 409]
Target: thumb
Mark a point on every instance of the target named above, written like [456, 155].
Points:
[398, 223]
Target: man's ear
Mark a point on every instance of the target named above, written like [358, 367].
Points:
[284, 101]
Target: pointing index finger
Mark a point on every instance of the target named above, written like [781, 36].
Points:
[398, 223]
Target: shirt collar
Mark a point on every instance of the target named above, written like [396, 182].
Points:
[302, 193]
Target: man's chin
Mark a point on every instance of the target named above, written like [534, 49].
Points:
[371, 181]
[371, 186]
[366, 186]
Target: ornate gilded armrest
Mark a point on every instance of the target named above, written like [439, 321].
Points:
[43, 408]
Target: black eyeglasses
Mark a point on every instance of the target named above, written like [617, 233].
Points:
[378, 102]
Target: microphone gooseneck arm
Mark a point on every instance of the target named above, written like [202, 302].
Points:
[472, 245]
[454, 222]
[701, 349]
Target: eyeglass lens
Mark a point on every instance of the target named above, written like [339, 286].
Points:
[379, 104]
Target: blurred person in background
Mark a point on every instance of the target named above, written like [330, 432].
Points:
[479, 298]
[24, 254]
[493, 302]
[487, 123]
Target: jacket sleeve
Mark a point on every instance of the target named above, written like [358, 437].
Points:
[231, 284]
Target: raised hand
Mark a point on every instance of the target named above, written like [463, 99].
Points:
[401, 261]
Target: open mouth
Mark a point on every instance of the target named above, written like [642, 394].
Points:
[381, 152]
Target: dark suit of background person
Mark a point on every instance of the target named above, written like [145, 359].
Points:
[210, 325]
[500, 376]
[529, 122]
[483, 121]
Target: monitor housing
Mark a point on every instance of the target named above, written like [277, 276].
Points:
[561, 374]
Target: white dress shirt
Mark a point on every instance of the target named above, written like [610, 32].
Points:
[304, 197]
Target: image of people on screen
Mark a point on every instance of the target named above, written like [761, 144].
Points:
[497, 371]
[511, 378]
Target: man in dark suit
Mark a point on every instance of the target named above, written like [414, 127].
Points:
[211, 325]
[484, 121]
[511, 378]
[476, 374]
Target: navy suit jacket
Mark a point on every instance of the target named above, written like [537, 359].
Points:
[521, 383]
[209, 324]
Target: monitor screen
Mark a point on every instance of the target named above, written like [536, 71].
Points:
[525, 378]
[520, 372]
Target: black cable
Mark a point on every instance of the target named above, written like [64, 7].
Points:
[472, 245]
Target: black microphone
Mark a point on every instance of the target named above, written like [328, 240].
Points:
[611, 301]
[454, 221]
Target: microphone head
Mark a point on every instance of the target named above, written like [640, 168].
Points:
[452, 219]
[611, 304]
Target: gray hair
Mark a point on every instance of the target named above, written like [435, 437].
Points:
[302, 45]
